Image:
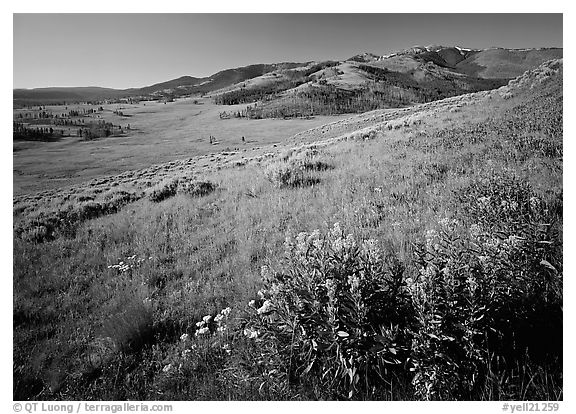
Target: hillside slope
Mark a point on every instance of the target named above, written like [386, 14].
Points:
[376, 238]
[365, 82]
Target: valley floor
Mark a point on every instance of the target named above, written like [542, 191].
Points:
[158, 133]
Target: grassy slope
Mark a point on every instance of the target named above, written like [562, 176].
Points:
[206, 252]
[503, 63]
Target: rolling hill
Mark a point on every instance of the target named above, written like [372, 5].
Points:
[184, 85]
[418, 74]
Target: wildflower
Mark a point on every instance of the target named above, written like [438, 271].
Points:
[514, 241]
[202, 331]
[252, 303]
[266, 307]
[484, 202]
[265, 272]
[428, 272]
[186, 352]
[331, 288]
[370, 249]
[167, 368]
[475, 230]
[338, 244]
[493, 243]
[184, 337]
[349, 242]
[226, 311]
[221, 329]
[218, 318]
[483, 260]
[226, 348]
[317, 244]
[472, 284]
[200, 324]
[261, 293]
[288, 243]
[301, 242]
[207, 318]
[354, 282]
[250, 333]
[315, 235]
[534, 203]
[336, 230]
[430, 237]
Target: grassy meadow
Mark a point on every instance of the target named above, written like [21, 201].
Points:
[438, 251]
[159, 132]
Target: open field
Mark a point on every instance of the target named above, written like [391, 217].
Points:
[397, 254]
[158, 133]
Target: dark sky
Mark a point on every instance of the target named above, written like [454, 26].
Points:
[134, 50]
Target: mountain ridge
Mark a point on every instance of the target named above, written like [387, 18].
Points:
[489, 63]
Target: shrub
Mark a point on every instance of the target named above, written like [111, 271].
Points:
[282, 174]
[196, 188]
[347, 320]
[484, 291]
[163, 190]
[294, 169]
[335, 314]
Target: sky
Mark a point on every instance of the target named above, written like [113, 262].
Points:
[136, 50]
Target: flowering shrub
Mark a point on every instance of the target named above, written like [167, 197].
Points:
[335, 314]
[485, 289]
[345, 318]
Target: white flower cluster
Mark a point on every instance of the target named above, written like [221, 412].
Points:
[475, 230]
[265, 308]
[505, 205]
[220, 320]
[449, 224]
[354, 283]
[484, 202]
[370, 250]
[130, 263]
[431, 240]
[339, 242]
[251, 333]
